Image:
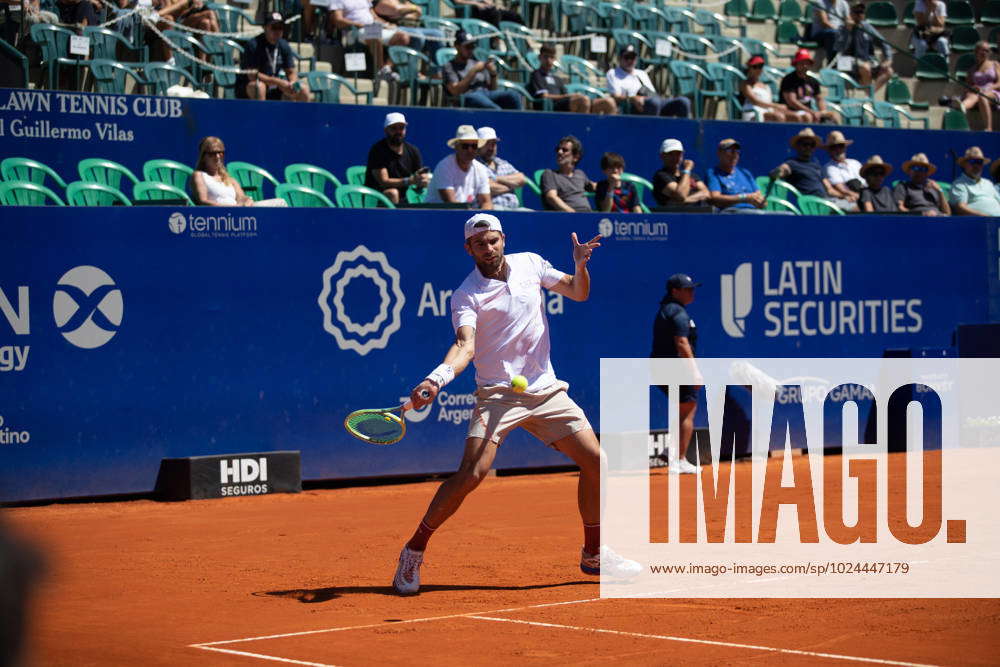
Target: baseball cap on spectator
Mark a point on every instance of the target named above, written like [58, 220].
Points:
[628, 48]
[394, 118]
[800, 55]
[671, 145]
[462, 37]
[681, 281]
[487, 134]
[728, 143]
[482, 222]
[274, 17]
[755, 60]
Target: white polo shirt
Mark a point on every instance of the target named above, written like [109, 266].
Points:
[465, 184]
[512, 331]
[842, 172]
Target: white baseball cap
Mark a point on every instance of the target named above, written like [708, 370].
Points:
[486, 133]
[482, 222]
[671, 145]
[393, 118]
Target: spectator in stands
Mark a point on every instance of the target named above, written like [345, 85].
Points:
[805, 172]
[877, 197]
[347, 14]
[971, 194]
[190, 13]
[546, 83]
[195, 14]
[732, 188]
[565, 188]
[676, 183]
[828, 16]
[631, 85]
[613, 193]
[800, 91]
[460, 177]
[984, 79]
[11, 18]
[475, 81]
[930, 30]
[78, 12]
[395, 11]
[842, 172]
[486, 10]
[268, 55]
[995, 173]
[504, 177]
[920, 194]
[211, 184]
[858, 39]
[758, 104]
[394, 164]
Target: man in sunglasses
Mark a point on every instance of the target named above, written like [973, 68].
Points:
[971, 194]
[460, 178]
[858, 39]
[631, 85]
[920, 194]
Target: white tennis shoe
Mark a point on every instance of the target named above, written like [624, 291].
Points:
[407, 579]
[609, 563]
[683, 467]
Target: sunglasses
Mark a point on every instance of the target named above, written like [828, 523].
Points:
[974, 161]
[561, 149]
[215, 152]
[918, 167]
[732, 149]
[630, 56]
[756, 66]
[468, 146]
[807, 144]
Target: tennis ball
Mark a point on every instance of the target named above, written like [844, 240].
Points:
[519, 383]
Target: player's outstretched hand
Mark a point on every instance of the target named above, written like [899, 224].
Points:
[583, 251]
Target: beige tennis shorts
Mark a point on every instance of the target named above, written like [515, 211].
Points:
[549, 415]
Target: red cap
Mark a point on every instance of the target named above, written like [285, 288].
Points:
[800, 55]
[755, 60]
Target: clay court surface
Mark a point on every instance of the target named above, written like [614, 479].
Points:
[304, 579]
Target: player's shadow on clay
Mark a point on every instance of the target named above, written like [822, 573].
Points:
[314, 595]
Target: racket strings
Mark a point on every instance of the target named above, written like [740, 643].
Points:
[377, 427]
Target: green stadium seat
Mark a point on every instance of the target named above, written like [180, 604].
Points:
[358, 196]
[778, 204]
[963, 65]
[356, 174]
[27, 170]
[897, 92]
[21, 193]
[104, 172]
[157, 191]
[954, 120]
[83, 193]
[882, 15]
[313, 177]
[301, 196]
[251, 178]
[763, 10]
[790, 10]
[932, 66]
[812, 205]
[908, 19]
[642, 186]
[326, 87]
[964, 39]
[167, 171]
[960, 12]
[990, 13]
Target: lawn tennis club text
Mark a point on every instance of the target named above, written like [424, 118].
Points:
[106, 106]
[236, 476]
[788, 430]
[435, 302]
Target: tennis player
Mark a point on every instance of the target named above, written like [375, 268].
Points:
[499, 317]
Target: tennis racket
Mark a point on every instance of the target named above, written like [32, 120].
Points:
[379, 426]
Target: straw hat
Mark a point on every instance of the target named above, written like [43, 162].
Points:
[919, 158]
[974, 153]
[465, 133]
[875, 161]
[806, 133]
[837, 137]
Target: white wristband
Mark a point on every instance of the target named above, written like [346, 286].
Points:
[441, 375]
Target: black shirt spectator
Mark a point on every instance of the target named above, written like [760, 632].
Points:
[266, 58]
[550, 83]
[806, 176]
[661, 179]
[672, 320]
[806, 88]
[882, 200]
[77, 11]
[397, 166]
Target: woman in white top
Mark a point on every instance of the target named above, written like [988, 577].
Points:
[758, 103]
[211, 183]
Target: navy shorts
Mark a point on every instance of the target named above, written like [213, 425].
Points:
[688, 393]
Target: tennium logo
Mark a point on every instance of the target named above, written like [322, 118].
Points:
[87, 307]
[365, 336]
[633, 230]
[177, 223]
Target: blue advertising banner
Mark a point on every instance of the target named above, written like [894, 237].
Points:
[130, 335]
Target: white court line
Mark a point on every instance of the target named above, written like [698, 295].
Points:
[832, 656]
[383, 623]
[265, 657]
